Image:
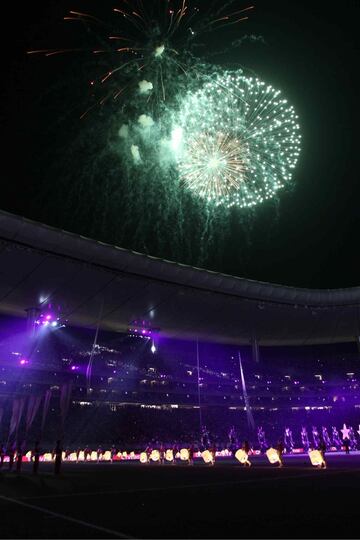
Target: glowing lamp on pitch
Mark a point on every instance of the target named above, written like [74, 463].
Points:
[241, 456]
[272, 455]
[155, 455]
[143, 457]
[169, 455]
[316, 458]
[207, 457]
[184, 454]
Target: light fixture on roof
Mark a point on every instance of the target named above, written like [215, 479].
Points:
[49, 318]
[142, 329]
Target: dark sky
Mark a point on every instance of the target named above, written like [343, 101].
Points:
[310, 52]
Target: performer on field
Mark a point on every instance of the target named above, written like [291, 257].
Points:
[2, 454]
[212, 451]
[58, 457]
[87, 452]
[246, 448]
[148, 451]
[280, 450]
[346, 443]
[99, 453]
[175, 452]
[35, 454]
[162, 453]
[19, 457]
[191, 454]
[113, 452]
[322, 450]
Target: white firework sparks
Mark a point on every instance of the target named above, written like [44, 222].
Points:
[240, 141]
[215, 164]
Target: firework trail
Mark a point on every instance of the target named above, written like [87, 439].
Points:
[148, 44]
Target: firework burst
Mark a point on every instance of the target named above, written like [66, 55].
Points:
[175, 141]
[148, 42]
[215, 165]
[238, 140]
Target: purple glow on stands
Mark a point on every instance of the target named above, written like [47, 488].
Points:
[167, 379]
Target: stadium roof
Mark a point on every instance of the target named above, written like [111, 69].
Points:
[91, 280]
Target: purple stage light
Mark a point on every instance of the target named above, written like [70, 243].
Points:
[49, 320]
[142, 328]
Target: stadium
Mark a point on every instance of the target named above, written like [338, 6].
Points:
[123, 354]
[139, 337]
[179, 274]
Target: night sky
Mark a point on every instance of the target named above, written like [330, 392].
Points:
[308, 49]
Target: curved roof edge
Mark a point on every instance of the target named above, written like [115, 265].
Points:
[34, 235]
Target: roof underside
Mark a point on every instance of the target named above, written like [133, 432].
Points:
[40, 264]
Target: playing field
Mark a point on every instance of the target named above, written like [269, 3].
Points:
[124, 500]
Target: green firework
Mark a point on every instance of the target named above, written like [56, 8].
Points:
[237, 141]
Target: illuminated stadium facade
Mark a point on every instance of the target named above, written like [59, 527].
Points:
[142, 345]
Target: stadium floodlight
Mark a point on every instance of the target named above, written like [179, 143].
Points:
[142, 329]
